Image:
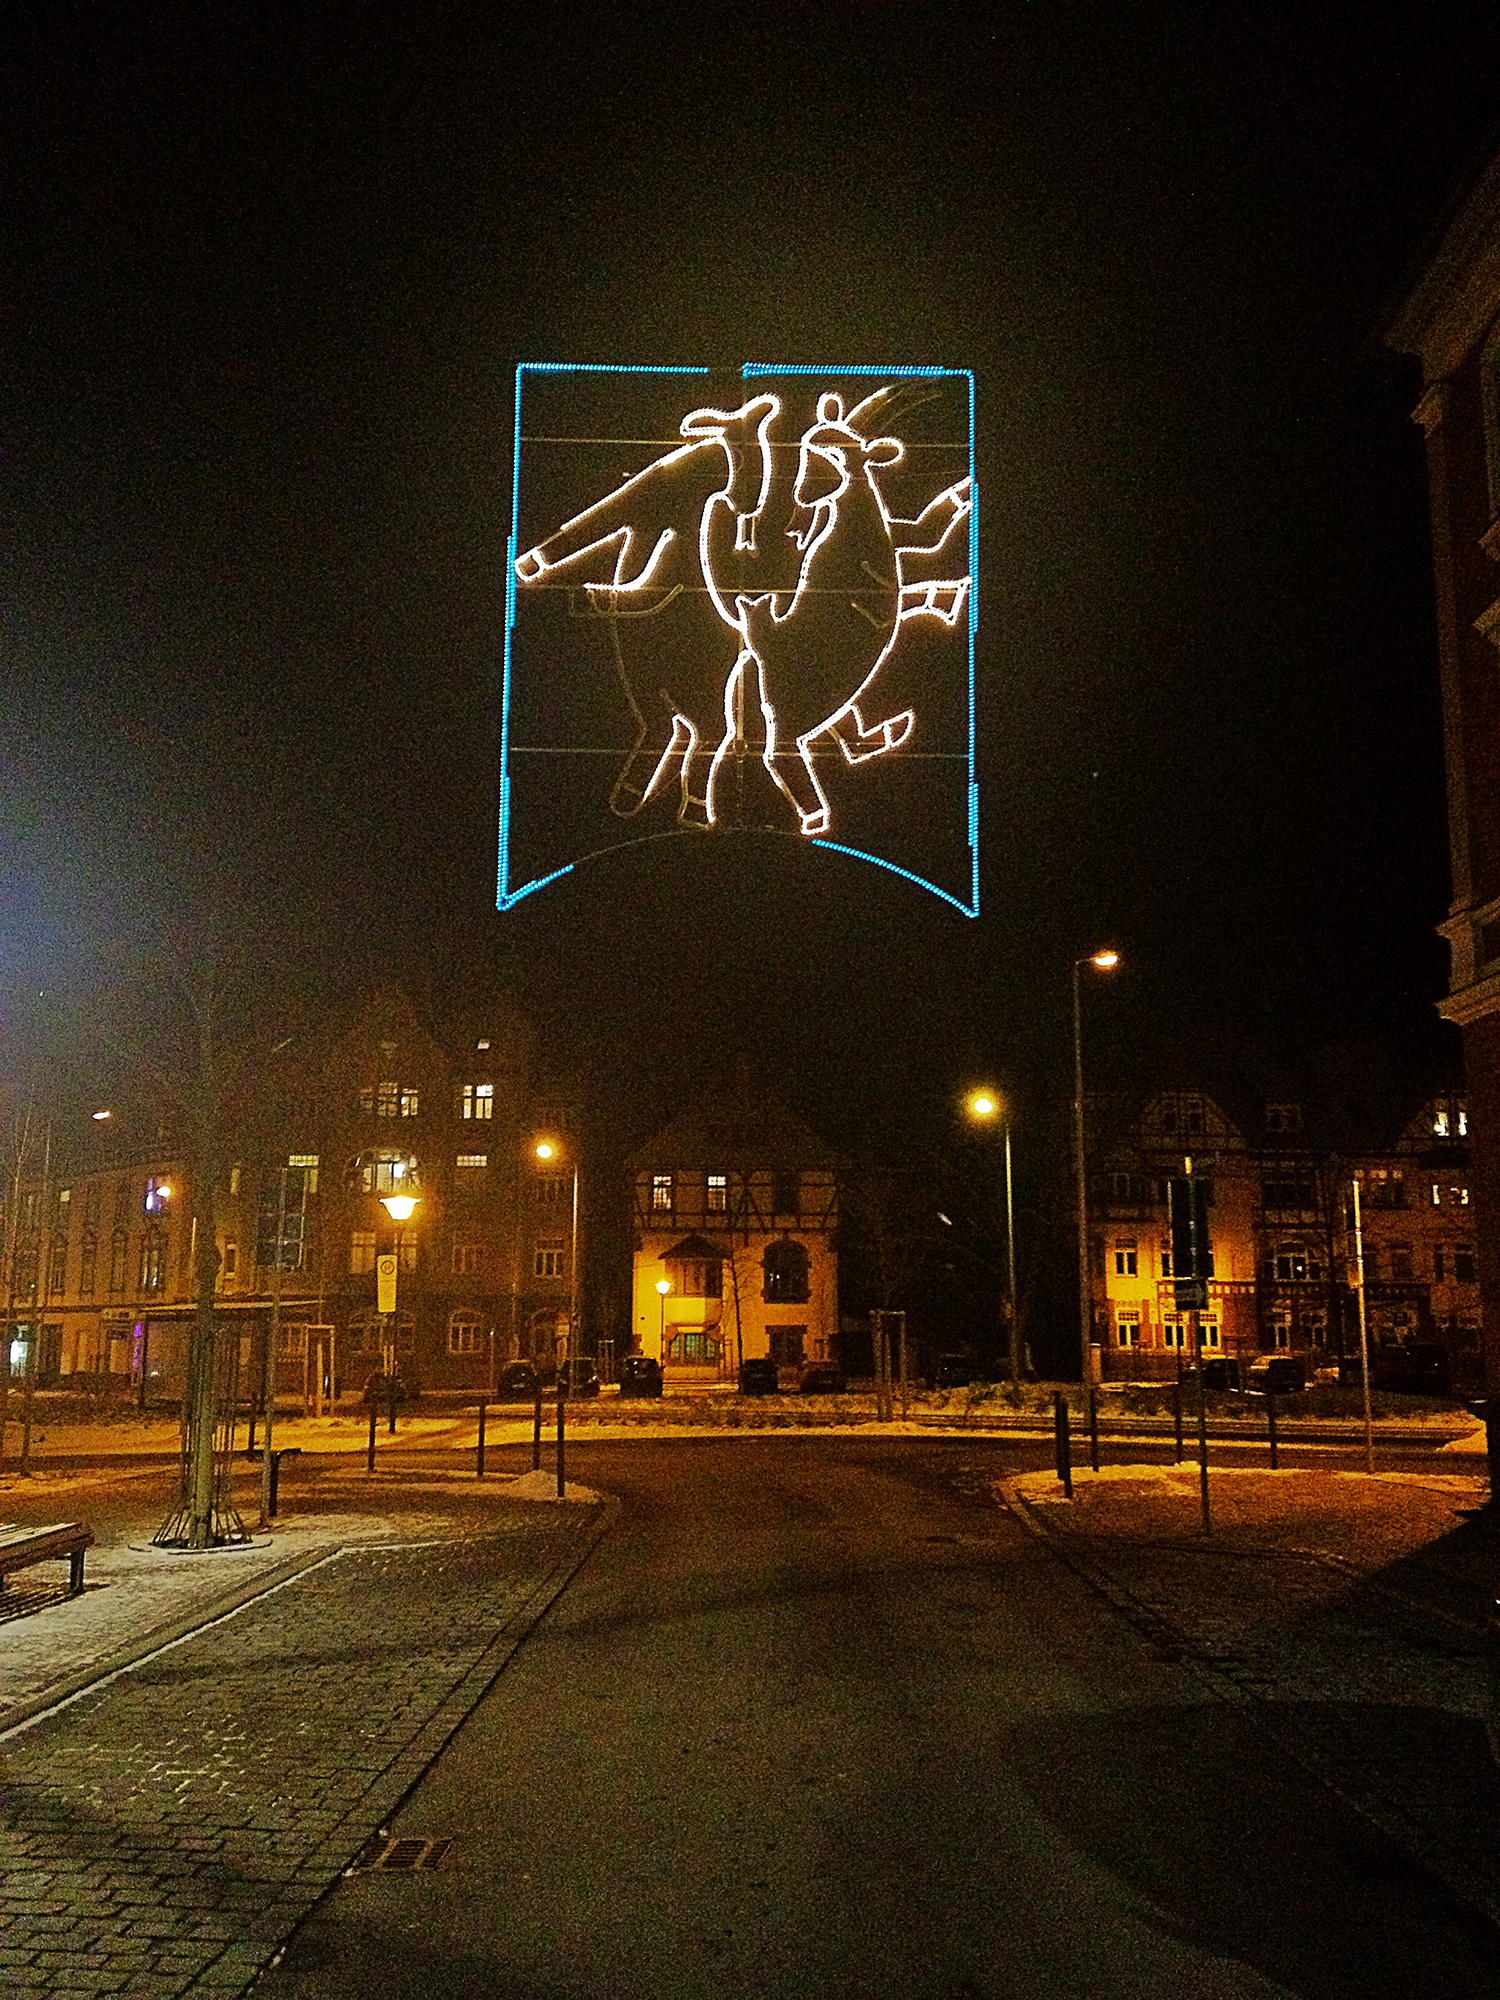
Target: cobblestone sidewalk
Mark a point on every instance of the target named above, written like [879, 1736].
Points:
[1351, 1609]
[163, 1833]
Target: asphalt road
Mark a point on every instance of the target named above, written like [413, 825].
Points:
[818, 1717]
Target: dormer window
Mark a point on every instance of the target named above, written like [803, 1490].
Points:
[1284, 1118]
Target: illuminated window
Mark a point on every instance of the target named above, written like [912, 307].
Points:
[464, 1334]
[153, 1263]
[385, 1173]
[158, 1194]
[308, 1162]
[1293, 1265]
[1128, 1328]
[549, 1259]
[389, 1099]
[361, 1252]
[694, 1347]
[477, 1100]
[784, 1268]
[661, 1191]
[472, 1160]
[716, 1200]
[466, 1259]
[1125, 1259]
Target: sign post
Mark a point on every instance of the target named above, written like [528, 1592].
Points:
[1192, 1263]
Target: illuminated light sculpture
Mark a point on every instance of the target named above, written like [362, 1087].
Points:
[755, 585]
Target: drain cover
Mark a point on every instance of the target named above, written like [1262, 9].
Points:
[398, 1856]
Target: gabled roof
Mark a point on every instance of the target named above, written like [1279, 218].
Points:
[735, 1133]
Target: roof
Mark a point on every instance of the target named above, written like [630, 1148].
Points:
[736, 1133]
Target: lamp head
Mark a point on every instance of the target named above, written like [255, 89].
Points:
[983, 1104]
[399, 1207]
[1105, 961]
[664, 1285]
[545, 1149]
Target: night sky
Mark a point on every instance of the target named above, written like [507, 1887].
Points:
[270, 271]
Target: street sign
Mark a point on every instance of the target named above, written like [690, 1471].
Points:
[1192, 1260]
[385, 1283]
[1190, 1294]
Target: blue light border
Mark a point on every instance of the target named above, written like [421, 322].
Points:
[506, 898]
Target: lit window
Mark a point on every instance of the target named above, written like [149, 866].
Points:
[308, 1162]
[1459, 1196]
[695, 1347]
[548, 1262]
[361, 1252]
[463, 1334]
[661, 1191]
[477, 1100]
[234, 1178]
[158, 1195]
[717, 1198]
[472, 1160]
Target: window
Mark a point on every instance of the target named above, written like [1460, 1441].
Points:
[1384, 1187]
[153, 1263]
[698, 1277]
[308, 1162]
[662, 1192]
[1174, 1331]
[787, 1345]
[716, 1199]
[57, 1269]
[158, 1194]
[477, 1100]
[88, 1267]
[1281, 1327]
[384, 1173]
[234, 1178]
[1283, 1117]
[694, 1346]
[91, 1205]
[231, 1260]
[1463, 1264]
[784, 1268]
[1208, 1331]
[361, 1252]
[466, 1259]
[388, 1099]
[472, 1160]
[1166, 1256]
[1287, 1187]
[1439, 1263]
[118, 1250]
[1315, 1326]
[1125, 1259]
[1400, 1256]
[406, 1249]
[548, 1261]
[1128, 1328]
[463, 1334]
[785, 1191]
[554, 1190]
[1293, 1265]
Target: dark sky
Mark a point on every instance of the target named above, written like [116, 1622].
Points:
[270, 272]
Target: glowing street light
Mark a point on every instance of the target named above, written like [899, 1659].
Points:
[1101, 961]
[982, 1106]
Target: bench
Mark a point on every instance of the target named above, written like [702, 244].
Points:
[21, 1547]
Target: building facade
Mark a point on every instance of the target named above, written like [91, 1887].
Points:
[318, 1133]
[1451, 321]
[734, 1209]
[1284, 1273]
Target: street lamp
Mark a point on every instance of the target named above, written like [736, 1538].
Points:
[1102, 961]
[663, 1286]
[549, 1149]
[982, 1106]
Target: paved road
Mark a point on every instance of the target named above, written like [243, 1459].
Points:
[820, 1718]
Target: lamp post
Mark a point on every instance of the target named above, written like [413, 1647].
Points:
[548, 1149]
[1102, 961]
[663, 1286]
[400, 1205]
[982, 1106]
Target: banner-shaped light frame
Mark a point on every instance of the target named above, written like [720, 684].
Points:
[754, 580]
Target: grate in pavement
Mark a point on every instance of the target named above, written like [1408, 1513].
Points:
[398, 1856]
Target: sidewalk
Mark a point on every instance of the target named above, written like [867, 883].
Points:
[1349, 1607]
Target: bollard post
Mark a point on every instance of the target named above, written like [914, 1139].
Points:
[536, 1430]
[1271, 1424]
[479, 1453]
[370, 1454]
[562, 1404]
[1093, 1427]
[391, 1422]
[1177, 1415]
[1064, 1446]
[275, 1483]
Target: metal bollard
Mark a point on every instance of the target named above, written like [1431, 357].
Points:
[1271, 1424]
[1093, 1428]
[479, 1452]
[391, 1425]
[370, 1454]
[562, 1404]
[1064, 1446]
[536, 1430]
[1177, 1418]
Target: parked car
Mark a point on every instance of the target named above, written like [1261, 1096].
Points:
[378, 1390]
[516, 1383]
[1221, 1371]
[579, 1376]
[1278, 1375]
[822, 1378]
[640, 1376]
[759, 1376]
